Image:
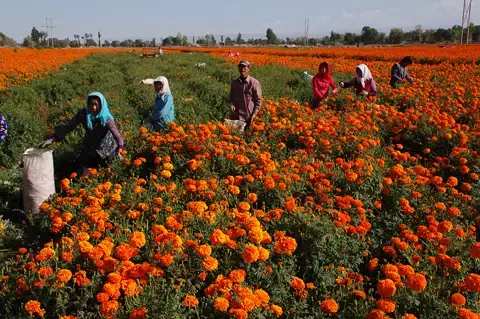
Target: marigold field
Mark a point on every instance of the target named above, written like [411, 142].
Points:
[20, 65]
[359, 209]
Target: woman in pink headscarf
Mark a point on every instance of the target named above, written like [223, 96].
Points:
[321, 84]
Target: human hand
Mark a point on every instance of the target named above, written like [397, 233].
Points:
[47, 142]
[232, 107]
[364, 93]
[341, 84]
[334, 91]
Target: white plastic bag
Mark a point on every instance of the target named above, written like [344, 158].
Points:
[235, 125]
[38, 178]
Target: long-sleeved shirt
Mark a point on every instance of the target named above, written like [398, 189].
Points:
[3, 128]
[399, 74]
[321, 85]
[96, 139]
[163, 111]
[246, 97]
[370, 86]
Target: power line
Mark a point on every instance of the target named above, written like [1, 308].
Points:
[49, 30]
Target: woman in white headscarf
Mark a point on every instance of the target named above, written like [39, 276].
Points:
[363, 82]
[163, 109]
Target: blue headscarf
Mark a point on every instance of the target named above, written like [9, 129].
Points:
[103, 116]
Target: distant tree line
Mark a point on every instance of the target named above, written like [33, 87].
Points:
[368, 35]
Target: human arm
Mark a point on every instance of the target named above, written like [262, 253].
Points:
[333, 86]
[348, 84]
[230, 97]
[64, 129]
[147, 81]
[408, 77]
[373, 88]
[116, 134]
[396, 74]
[257, 100]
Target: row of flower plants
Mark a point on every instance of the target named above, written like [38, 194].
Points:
[425, 54]
[364, 210]
[18, 65]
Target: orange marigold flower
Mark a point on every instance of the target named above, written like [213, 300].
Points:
[250, 254]
[221, 304]
[376, 314]
[284, 245]
[386, 288]
[475, 250]
[109, 308]
[457, 299]
[237, 276]
[264, 254]
[203, 250]
[329, 306]
[218, 237]
[297, 283]
[409, 316]
[385, 305]
[130, 287]
[210, 263]
[252, 197]
[137, 239]
[359, 294]
[417, 282]
[34, 308]
[190, 301]
[64, 275]
[464, 313]
[139, 313]
[45, 254]
[277, 310]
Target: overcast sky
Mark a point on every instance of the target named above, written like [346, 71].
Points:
[121, 19]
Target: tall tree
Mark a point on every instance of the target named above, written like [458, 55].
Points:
[271, 37]
[239, 39]
[396, 36]
[36, 36]
[369, 35]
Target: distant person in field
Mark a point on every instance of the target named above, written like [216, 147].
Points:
[163, 110]
[102, 140]
[3, 128]
[363, 82]
[321, 84]
[245, 95]
[399, 73]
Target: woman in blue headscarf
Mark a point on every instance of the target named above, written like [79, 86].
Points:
[102, 139]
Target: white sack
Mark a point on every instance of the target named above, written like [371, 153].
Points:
[38, 178]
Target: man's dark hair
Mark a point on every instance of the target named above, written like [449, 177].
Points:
[406, 60]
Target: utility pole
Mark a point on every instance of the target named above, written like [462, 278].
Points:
[307, 25]
[466, 13]
[99, 39]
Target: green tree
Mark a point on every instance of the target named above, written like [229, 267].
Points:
[350, 38]
[396, 36]
[36, 36]
[369, 35]
[239, 39]
[271, 37]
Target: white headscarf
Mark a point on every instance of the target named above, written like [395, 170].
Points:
[164, 80]
[366, 74]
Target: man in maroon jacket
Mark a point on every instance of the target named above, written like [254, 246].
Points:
[245, 95]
